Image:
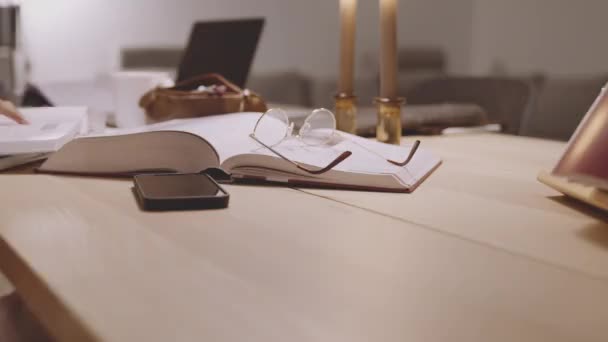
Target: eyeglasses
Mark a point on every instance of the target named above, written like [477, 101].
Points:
[319, 128]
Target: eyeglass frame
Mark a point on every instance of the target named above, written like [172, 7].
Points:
[332, 164]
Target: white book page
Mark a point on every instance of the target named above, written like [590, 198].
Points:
[44, 115]
[368, 156]
[48, 129]
[228, 133]
[419, 166]
[33, 132]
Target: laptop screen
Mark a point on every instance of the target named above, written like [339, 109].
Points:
[225, 47]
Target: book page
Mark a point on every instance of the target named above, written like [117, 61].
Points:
[16, 133]
[228, 134]
[45, 115]
[47, 130]
[368, 156]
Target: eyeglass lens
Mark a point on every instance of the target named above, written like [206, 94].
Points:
[272, 127]
[318, 128]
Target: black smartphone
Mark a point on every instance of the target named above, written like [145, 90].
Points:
[178, 191]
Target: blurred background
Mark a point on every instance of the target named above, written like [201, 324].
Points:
[68, 39]
[555, 47]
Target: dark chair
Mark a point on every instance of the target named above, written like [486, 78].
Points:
[560, 105]
[421, 58]
[504, 100]
[418, 64]
[286, 87]
[34, 97]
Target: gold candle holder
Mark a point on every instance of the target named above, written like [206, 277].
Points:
[388, 128]
[346, 113]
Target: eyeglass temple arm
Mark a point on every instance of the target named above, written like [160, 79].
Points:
[409, 157]
[330, 166]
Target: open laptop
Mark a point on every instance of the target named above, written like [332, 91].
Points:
[226, 47]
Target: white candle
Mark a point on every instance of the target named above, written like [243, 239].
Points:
[388, 48]
[348, 14]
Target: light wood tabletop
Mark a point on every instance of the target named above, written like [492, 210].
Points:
[479, 252]
[486, 191]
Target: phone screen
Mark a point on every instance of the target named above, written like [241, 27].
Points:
[178, 185]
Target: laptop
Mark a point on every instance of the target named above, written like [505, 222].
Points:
[226, 47]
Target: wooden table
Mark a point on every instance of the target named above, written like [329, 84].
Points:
[480, 252]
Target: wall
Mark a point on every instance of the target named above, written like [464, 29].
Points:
[561, 37]
[76, 39]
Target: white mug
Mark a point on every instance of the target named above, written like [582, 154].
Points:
[128, 87]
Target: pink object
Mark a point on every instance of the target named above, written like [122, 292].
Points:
[586, 157]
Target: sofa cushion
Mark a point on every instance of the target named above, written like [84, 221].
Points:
[505, 100]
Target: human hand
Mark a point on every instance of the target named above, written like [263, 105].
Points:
[7, 108]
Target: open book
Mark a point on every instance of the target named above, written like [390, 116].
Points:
[192, 145]
[49, 128]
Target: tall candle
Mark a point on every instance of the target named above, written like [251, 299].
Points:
[348, 13]
[388, 48]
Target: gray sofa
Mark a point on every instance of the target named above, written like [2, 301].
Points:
[292, 87]
[555, 105]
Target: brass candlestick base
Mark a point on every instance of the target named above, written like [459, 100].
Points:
[388, 129]
[346, 113]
